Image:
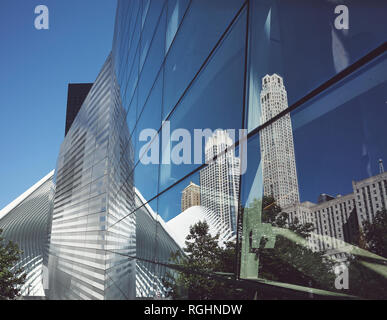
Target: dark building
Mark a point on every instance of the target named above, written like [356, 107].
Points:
[351, 228]
[76, 95]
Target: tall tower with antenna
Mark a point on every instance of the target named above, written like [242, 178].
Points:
[381, 167]
[276, 143]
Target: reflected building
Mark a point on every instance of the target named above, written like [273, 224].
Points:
[333, 221]
[219, 180]
[339, 220]
[25, 221]
[190, 196]
[324, 198]
[277, 145]
[370, 195]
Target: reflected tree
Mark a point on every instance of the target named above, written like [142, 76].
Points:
[375, 234]
[368, 273]
[290, 261]
[207, 268]
[11, 278]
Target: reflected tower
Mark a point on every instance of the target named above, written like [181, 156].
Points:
[190, 196]
[277, 145]
[219, 181]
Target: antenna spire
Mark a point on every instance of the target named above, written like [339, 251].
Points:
[381, 167]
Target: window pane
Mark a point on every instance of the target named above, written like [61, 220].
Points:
[298, 41]
[191, 48]
[153, 63]
[176, 10]
[152, 20]
[214, 101]
[315, 184]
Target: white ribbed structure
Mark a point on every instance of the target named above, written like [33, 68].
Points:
[88, 247]
[151, 232]
[180, 225]
[277, 146]
[25, 222]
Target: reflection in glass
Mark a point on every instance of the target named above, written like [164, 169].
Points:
[331, 230]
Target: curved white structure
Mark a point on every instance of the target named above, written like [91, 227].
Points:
[25, 222]
[179, 226]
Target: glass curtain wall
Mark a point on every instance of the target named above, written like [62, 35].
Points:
[249, 131]
[310, 175]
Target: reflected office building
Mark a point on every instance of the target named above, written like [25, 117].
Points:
[338, 221]
[219, 181]
[277, 145]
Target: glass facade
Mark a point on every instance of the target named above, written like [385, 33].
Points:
[185, 82]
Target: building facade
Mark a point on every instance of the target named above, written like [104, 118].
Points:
[88, 250]
[219, 181]
[333, 222]
[190, 196]
[25, 221]
[277, 145]
[370, 196]
[338, 221]
[155, 241]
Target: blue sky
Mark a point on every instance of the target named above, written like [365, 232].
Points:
[36, 66]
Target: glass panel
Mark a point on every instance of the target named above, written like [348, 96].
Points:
[147, 148]
[127, 22]
[197, 212]
[131, 85]
[145, 9]
[151, 22]
[299, 41]
[191, 48]
[176, 10]
[214, 101]
[153, 63]
[315, 191]
[132, 114]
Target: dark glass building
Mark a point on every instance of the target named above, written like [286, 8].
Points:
[76, 95]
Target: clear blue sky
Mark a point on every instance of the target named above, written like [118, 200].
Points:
[35, 68]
